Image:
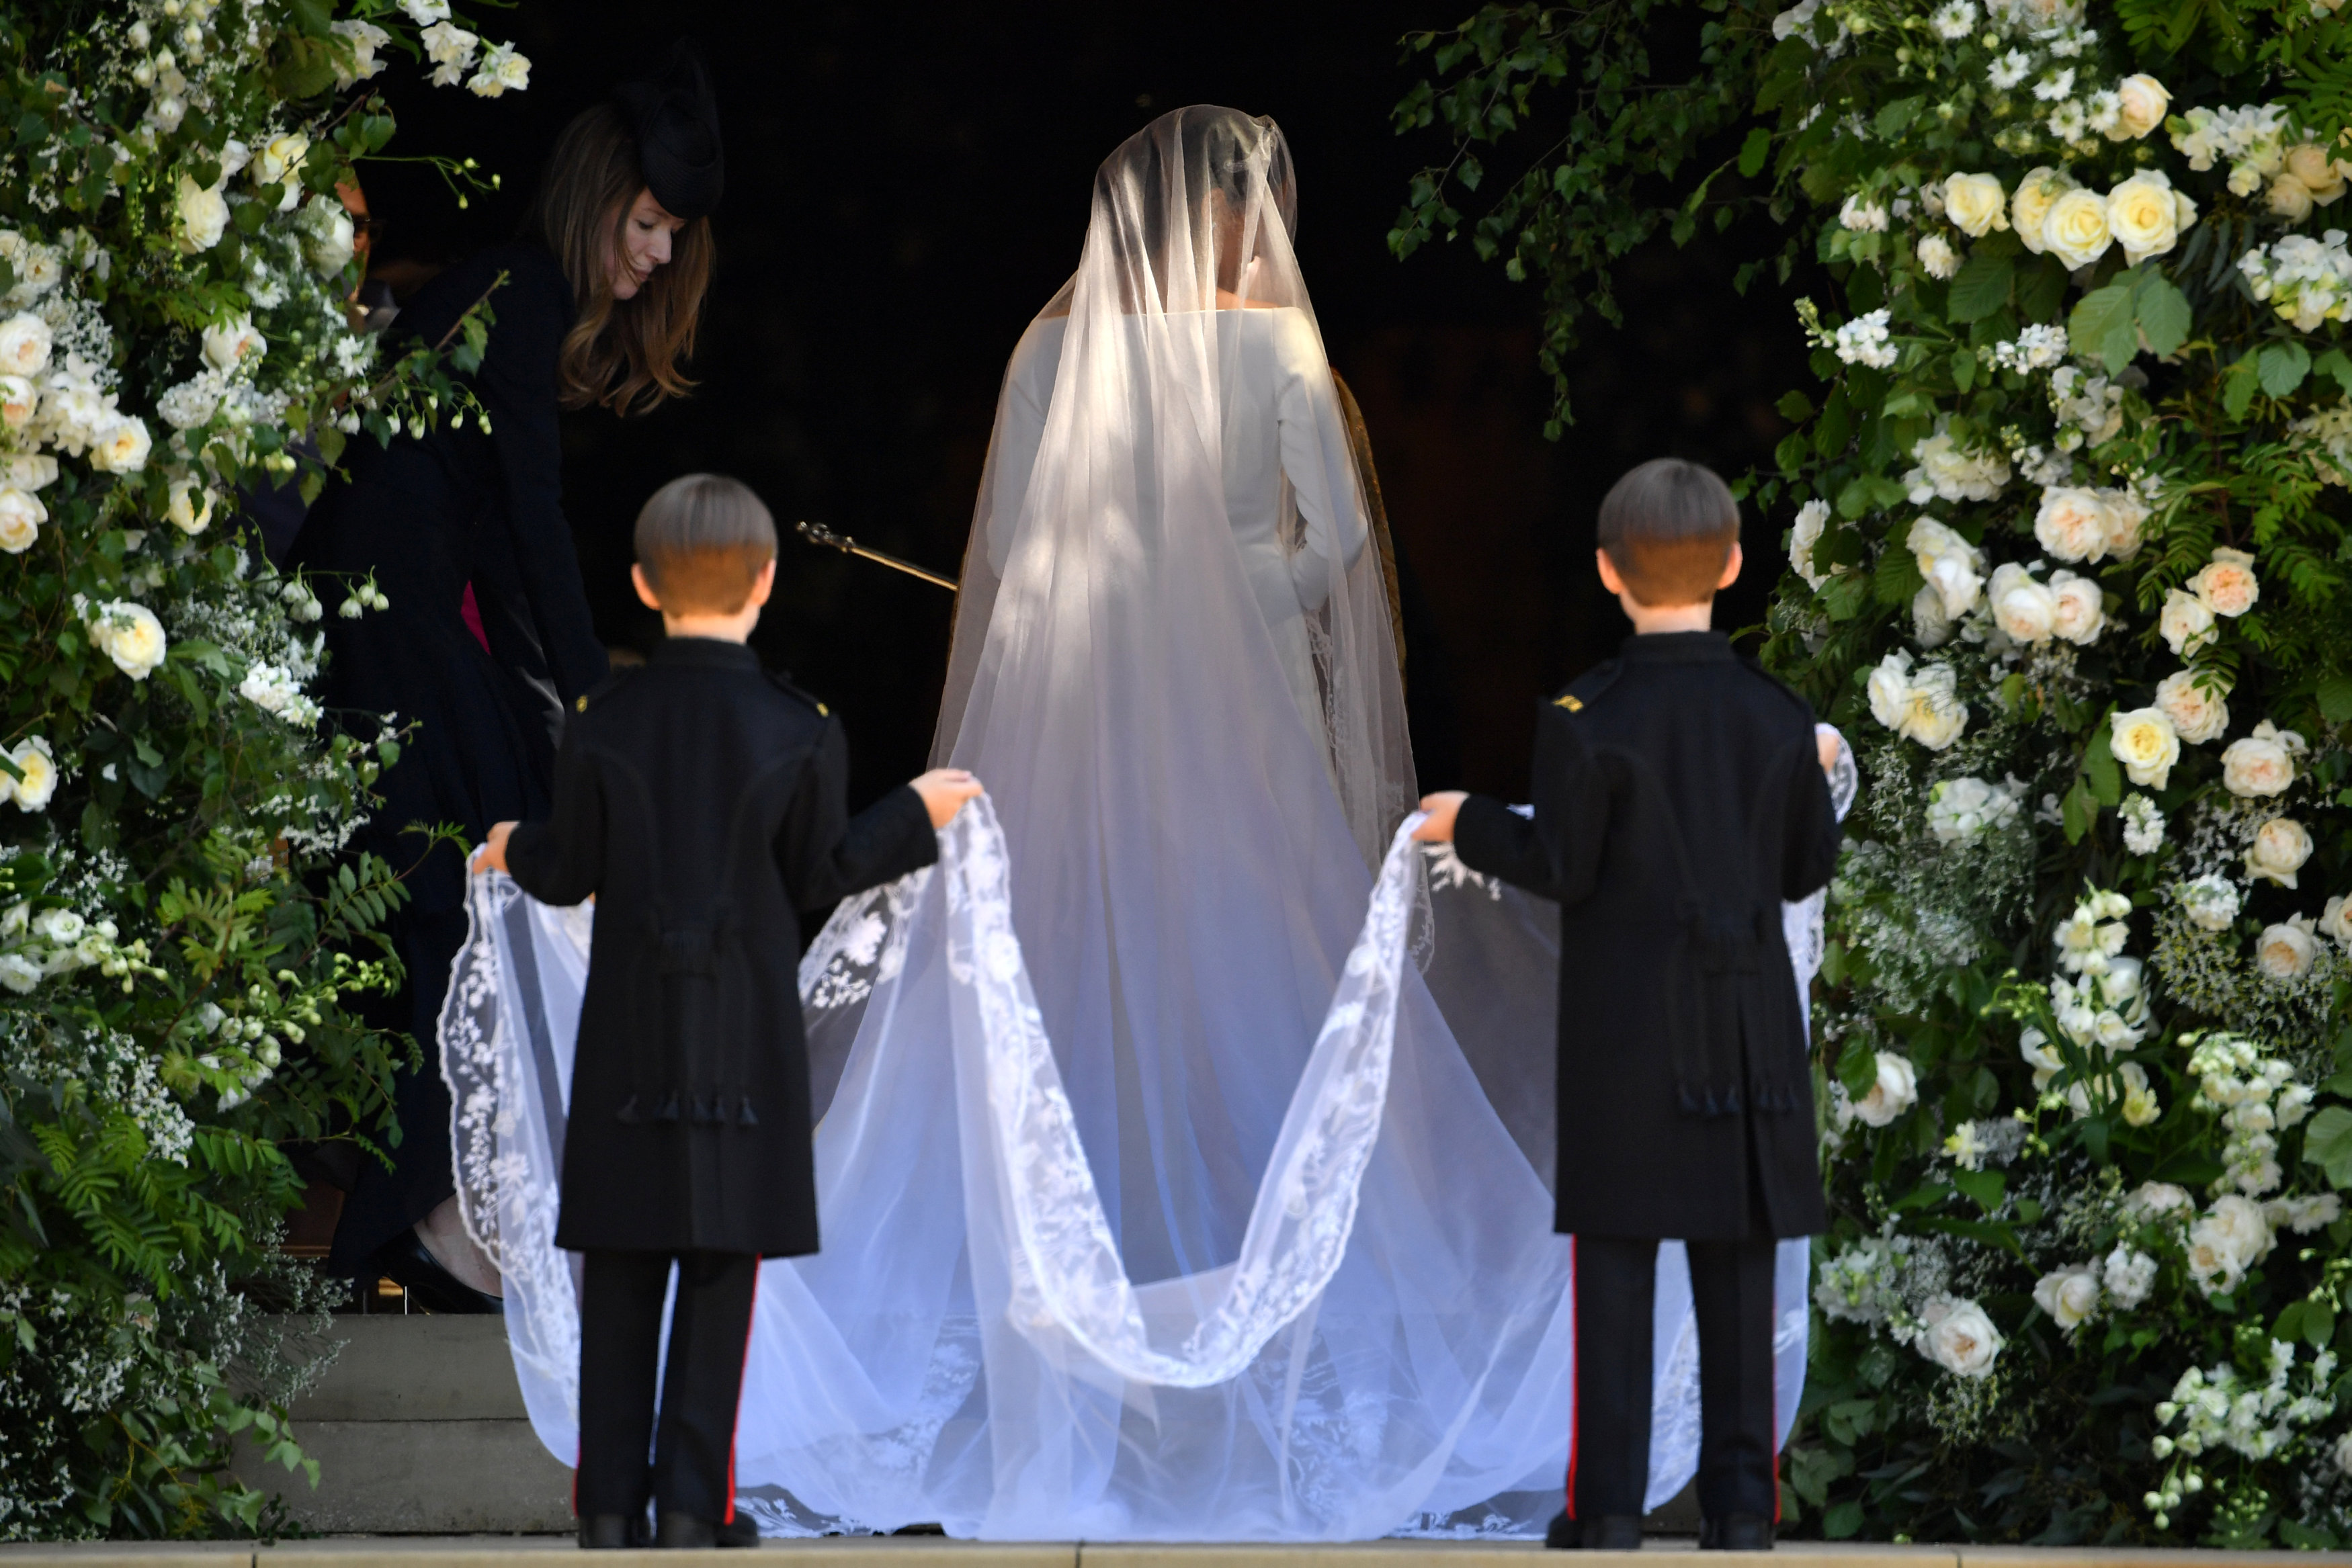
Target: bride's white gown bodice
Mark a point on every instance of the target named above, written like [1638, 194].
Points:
[1282, 439]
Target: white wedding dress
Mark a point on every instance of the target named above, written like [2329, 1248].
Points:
[1159, 1199]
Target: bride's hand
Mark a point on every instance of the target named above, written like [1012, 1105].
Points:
[1443, 808]
[944, 790]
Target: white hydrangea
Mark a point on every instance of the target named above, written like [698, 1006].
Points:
[1963, 808]
[273, 689]
[1863, 341]
[2143, 825]
[2034, 348]
[1947, 472]
[2307, 281]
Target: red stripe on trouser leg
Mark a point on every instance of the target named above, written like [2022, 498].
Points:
[1576, 1372]
[1776, 1435]
[737, 1427]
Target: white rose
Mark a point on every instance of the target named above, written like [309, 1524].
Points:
[2076, 229]
[2259, 764]
[2186, 623]
[2126, 511]
[18, 973]
[130, 634]
[34, 761]
[2238, 1224]
[2290, 198]
[23, 345]
[2335, 921]
[1960, 1338]
[1895, 1091]
[2198, 710]
[190, 507]
[2141, 216]
[21, 516]
[2226, 584]
[2022, 608]
[2321, 175]
[1936, 257]
[2287, 951]
[2153, 1199]
[228, 344]
[1812, 517]
[2073, 524]
[2144, 742]
[1975, 203]
[2080, 611]
[29, 471]
[121, 445]
[1933, 714]
[1889, 689]
[2030, 206]
[2280, 846]
[329, 235]
[1930, 626]
[2142, 110]
[20, 399]
[203, 215]
[1951, 565]
[279, 160]
[2069, 1295]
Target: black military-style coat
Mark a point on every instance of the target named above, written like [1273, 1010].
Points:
[1678, 801]
[702, 803]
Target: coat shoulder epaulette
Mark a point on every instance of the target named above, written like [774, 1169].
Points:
[620, 676]
[784, 686]
[1582, 690]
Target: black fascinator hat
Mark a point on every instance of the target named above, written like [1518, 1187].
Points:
[675, 121]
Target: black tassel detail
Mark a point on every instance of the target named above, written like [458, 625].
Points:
[628, 1114]
[743, 1115]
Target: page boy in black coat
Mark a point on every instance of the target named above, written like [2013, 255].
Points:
[700, 802]
[1679, 798]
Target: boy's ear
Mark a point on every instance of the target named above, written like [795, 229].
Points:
[645, 594]
[763, 585]
[1730, 569]
[1609, 578]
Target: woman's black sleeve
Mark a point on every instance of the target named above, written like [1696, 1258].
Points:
[517, 384]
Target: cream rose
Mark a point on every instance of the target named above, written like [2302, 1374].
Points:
[228, 344]
[2185, 622]
[203, 215]
[20, 399]
[2073, 524]
[1975, 204]
[29, 471]
[1960, 1338]
[1933, 714]
[32, 792]
[1812, 520]
[2126, 514]
[2080, 610]
[2075, 230]
[129, 634]
[2320, 174]
[2154, 1200]
[279, 160]
[23, 345]
[2335, 921]
[2025, 610]
[2225, 1242]
[21, 516]
[121, 445]
[2142, 217]
[2198, 710]
[2069, 1295]
[2280, 846]
[2290, 198]
[1952, 566]
[2030, 207]
[2141, 108]
[1895, 1091]
[2287, 951]
[190, 507]
[2144, 742]
[1889, 689]
[2226, 584]
[2261, 763]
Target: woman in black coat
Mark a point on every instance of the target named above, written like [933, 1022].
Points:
[598, 306]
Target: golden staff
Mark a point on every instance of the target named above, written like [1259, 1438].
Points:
[818, 534]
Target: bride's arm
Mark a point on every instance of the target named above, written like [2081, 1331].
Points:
[1316, 459]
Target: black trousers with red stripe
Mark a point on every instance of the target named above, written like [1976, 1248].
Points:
[1609, 1447]
[691, 1467]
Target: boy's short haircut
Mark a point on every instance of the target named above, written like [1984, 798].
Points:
[702, 540]
[1669, 527]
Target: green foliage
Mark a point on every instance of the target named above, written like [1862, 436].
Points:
[2073, 551]
[183, 942]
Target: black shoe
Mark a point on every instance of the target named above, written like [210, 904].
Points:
[1736, 1532]
[743, 1531]
[1606, 1532]
[683, 1530]
[938, 1530]
[612, 1531]
[403, 1261]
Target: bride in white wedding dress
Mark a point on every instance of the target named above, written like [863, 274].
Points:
[1158, 1200]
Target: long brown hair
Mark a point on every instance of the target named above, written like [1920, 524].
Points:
[622, 353]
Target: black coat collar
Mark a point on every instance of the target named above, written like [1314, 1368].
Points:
[1679, 648]
[704, 654]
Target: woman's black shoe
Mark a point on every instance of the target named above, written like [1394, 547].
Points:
[406, 1263]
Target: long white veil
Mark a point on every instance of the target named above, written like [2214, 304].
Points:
[1158, 1200]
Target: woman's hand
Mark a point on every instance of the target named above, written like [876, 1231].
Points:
[944, 790]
